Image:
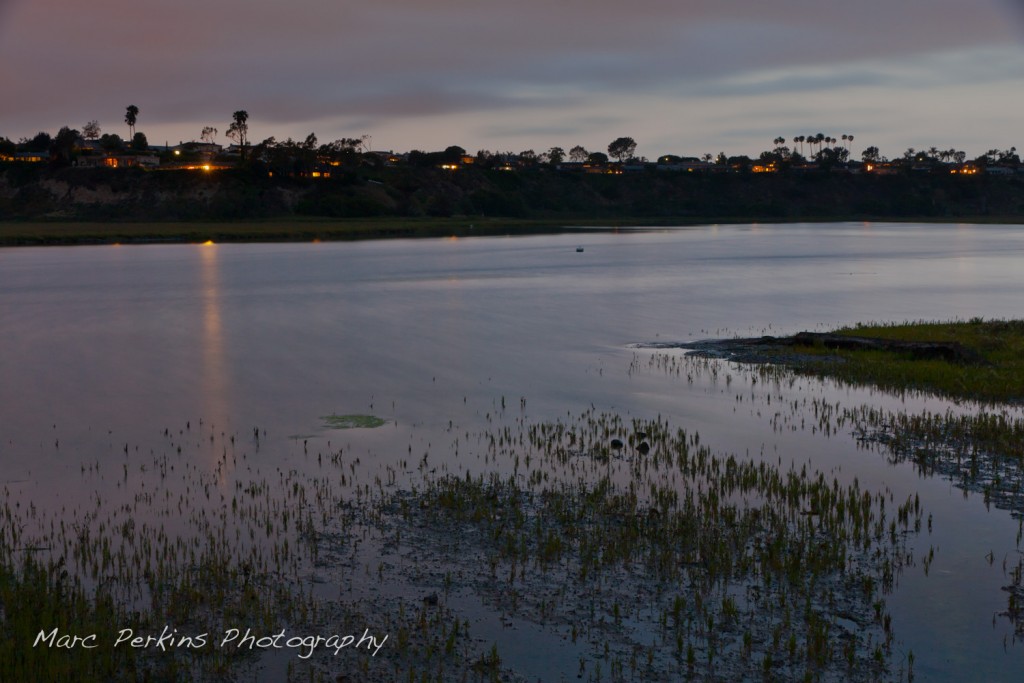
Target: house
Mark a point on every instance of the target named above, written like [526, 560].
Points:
[31, 157]
[197, 150]
[690, 165]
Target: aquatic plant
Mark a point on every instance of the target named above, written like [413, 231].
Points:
[352, 421]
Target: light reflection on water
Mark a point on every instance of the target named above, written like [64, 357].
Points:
[109, 346]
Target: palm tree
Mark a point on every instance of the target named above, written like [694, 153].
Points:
[131, 115]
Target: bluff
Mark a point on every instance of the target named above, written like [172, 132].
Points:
[32, 193]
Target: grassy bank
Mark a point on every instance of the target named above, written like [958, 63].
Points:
[303, 229]
[995, 372]
[38, 233]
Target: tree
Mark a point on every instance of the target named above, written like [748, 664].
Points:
[91, 130]
[40, 143]
[111, 142]
[831, 156]
[64, 144]
[239, 129]
[1009, 156]
[208, 134]
[131, 115]
[452, 154]
[555, 155]
[870, 155]
[622, 148]
[598, 158]
[139, 142]
[578, 154]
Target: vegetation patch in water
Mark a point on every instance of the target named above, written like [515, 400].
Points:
[672, 562]
[977, 359]
[352, 421]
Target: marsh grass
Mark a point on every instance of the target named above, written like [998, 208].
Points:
[998, 376]
[978, 447]
[663, 559]
[674, 564]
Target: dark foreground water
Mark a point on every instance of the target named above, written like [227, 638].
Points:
[108, 345]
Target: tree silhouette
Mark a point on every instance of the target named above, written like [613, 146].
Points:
[40, 142]
[622, 148]
[64, 144]
[208, 134]
[239, 130]
[555, 155]
[91, 130]
[579, 154]
[139, 142]
[131, 115]
[111, 142]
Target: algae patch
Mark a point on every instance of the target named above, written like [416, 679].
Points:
[352, 421]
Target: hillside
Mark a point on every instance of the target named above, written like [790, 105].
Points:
[36, 193]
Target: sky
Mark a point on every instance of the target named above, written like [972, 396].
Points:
[681, 77]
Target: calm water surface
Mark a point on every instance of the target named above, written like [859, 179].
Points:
[110, 345]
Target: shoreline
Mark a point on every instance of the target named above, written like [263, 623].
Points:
[89, 233]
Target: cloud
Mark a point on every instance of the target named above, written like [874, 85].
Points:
[391, 63]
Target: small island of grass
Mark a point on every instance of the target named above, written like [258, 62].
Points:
[980, 360]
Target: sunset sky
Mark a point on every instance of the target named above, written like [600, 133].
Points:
[680, 76]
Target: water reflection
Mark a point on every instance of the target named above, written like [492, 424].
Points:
[214, 378]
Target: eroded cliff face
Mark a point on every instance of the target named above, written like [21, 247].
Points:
[39, 193]
[128, 194]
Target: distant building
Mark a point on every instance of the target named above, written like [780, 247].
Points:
[30, 157]
[201, 150]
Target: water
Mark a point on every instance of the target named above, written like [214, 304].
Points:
[106, 346]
